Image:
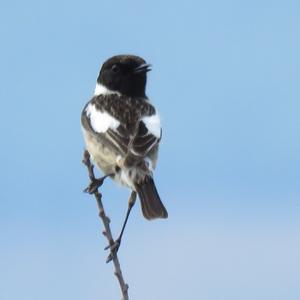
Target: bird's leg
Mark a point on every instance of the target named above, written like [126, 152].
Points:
[95, 182]
[114, 247]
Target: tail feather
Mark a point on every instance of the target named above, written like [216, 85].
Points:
[152, 207]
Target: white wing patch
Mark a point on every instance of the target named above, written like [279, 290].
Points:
[100, 121]
[153, 124]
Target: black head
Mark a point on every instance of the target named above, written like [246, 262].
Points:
[125, 74]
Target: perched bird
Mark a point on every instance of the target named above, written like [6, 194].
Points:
[122, 131]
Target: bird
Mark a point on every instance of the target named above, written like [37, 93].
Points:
[122, 132]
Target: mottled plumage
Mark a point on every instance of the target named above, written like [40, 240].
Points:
[122, 130]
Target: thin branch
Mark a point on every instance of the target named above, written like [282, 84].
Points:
[107, 230]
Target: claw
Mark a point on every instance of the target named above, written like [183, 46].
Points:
[94, 185]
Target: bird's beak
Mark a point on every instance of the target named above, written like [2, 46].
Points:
[144, 68]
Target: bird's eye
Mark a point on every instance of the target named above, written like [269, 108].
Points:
[115, 68]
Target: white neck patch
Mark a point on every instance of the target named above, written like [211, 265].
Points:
[100, 89]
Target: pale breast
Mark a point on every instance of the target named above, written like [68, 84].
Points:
[105, 158]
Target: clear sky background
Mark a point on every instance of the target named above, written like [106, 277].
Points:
[226, 82]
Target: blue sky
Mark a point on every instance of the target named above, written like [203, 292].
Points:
[225, 79]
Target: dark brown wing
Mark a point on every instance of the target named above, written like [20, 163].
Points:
[143, 141]
[139, 144]
[126, 138]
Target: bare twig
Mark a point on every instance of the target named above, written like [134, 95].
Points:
[107, 230]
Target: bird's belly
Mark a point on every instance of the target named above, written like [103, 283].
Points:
[107, 160]
[104, 157]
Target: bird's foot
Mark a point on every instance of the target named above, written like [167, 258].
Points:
[113, 249]
[94, 185]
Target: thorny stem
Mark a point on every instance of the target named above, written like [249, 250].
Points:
[107, 231]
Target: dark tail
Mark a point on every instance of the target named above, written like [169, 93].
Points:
[152, 207]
